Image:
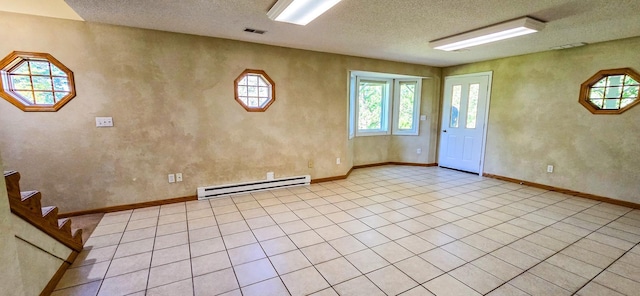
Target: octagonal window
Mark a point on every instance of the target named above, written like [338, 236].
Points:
[35, 81]
[611, 91]
[254, 90]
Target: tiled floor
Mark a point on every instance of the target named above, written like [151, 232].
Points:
[384, 231]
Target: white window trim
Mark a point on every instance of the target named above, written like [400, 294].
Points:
[392, 106]
[416, 108]
[385, 128]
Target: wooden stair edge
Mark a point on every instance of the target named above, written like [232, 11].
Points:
[27, 205]
[43, 225]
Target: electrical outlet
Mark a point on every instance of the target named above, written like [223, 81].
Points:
[172, 178]
[338, 160]
[549, 169]
[104, 121]
[178, 177]
[419, 150]
[270, 176]
[423, 117]
[310, 164]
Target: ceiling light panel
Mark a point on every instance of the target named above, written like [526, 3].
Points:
[510, 29]
[299, 12]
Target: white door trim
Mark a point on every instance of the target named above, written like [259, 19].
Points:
[486, 115]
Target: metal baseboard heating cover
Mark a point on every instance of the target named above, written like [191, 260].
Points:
[248, 187]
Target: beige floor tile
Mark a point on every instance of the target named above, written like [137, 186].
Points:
[289, 262]
[463, 251]
[270, 287]
[268, 233]
[618, 283]
[138, 234]
[507, 290]
[576, 266]
[418, 269]
[587, 256]
[347, 245]
[337, 270]
[331, 232]
[172, 218]
[260, 222]
[201, 223]
[375, 221]
[415, 244]
[366, 260]
[305, 239]
[435, 237]
[476, 278]
[417, 291]
[497, 267]
[125, 284]
[391, 280]
[294, 227]
[90, 255]
[277, 246]
[534, 285]
[320, 253]
[599, 248]
[210, 263]
[132, 248]
[595, 289]
[184, 287]
[83, 275]
[318, 222]
[482, 243]
[255, 271]
[89, 289]
[171, 240]
[239, 239]
[169, 273]
[358, 286]
[393, 231]
[244, 254]
[354, 226]
[304, 281]
[371, 238]
[170, 255]
[442, 259]
[446, 285]
[171, 228]
[208, 246]
[326, 292]
[215, 283]
[392, 252]
[129, 264]
[233, 227]
[205, 233]
[103, 241]
[532, 249]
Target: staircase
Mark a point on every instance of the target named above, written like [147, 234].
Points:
[26, 205]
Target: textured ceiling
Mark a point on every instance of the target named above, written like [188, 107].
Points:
[397, 30]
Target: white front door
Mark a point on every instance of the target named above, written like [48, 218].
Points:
[462, 133]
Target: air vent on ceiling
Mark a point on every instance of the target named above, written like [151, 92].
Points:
[572, 45]
[255, 31]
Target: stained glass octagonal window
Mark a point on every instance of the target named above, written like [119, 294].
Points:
[35, 81]
[611, 91]
[254, 90]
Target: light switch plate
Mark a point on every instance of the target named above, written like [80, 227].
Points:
[104, 121]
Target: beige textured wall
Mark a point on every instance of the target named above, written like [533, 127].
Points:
[12, 275]
[171, 98]
[535, 119]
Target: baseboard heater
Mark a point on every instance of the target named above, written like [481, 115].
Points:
[248, 187]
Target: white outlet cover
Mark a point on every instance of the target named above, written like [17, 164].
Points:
[104, 121]
[338, 160]
[178, 177]
[172, 178]
[423, 117]
[270, 176]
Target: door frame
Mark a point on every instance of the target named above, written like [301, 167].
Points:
[486, 115]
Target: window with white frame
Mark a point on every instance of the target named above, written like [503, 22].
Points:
[383, 104]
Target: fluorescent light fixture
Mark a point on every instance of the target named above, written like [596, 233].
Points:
[299, 12]
[510, 29]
